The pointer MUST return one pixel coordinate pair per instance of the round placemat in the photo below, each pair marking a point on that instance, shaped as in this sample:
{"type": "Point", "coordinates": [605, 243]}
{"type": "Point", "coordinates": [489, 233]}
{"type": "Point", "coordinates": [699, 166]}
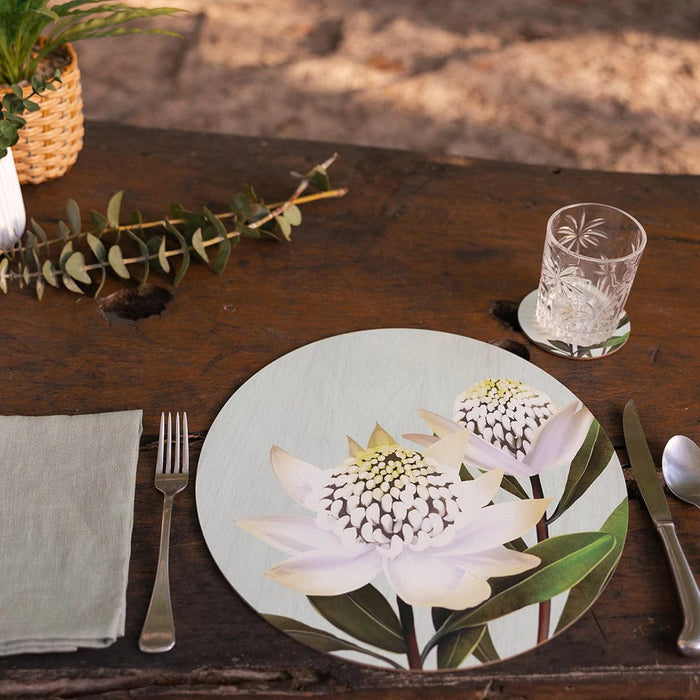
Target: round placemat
{"type": "Point", "coordinates": [306, 403]}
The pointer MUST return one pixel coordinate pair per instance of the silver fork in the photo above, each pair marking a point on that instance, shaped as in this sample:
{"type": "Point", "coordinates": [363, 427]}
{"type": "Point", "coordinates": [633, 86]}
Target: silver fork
{"type": "Point", "coordinates": [158, 633]}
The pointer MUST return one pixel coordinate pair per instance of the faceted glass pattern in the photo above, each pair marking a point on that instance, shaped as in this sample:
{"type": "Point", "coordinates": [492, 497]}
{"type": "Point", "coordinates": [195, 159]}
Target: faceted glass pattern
{"type": "Point", "coordinates": [591, 255]}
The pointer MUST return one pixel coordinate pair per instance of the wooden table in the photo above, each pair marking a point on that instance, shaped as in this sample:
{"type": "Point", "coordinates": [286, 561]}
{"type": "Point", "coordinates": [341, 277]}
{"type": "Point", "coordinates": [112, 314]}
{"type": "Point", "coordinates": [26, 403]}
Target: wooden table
{"type": "Point", "coordinates": [420, 241]}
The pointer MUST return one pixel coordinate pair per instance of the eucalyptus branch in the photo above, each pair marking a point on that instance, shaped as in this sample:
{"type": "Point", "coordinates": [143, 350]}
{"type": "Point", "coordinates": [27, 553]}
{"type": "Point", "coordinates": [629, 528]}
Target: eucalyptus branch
{"type": "Point", "coordinates": [86, 256]}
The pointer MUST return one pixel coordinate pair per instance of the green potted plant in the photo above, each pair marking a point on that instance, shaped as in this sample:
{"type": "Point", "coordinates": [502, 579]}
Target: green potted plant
{"type": "Point", "coordinates": [36, 39]}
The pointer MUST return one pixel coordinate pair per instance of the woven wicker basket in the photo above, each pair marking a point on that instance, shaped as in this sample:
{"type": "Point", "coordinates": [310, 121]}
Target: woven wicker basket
{"type": "Point", "coordinates": [53, 136]}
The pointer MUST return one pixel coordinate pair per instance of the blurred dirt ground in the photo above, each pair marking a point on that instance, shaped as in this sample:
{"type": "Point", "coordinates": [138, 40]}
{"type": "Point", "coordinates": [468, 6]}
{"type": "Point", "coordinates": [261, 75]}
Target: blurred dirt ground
{"type": "Point", "coordinates": [573, 83]}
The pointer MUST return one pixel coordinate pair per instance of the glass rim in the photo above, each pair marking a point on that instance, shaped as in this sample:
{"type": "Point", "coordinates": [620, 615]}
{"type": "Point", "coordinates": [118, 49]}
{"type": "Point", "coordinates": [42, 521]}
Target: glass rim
{"type": "Point", "coordinates": [637, 251]}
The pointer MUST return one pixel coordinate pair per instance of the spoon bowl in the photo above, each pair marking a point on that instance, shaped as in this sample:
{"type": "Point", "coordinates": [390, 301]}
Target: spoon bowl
{"type": "Point", "coordinates": [680, 464]}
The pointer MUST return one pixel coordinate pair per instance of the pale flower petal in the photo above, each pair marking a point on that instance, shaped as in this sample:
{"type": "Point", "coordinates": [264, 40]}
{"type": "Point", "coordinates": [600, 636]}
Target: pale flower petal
{"type": "Point", "coordinates": [470, 591]}
{"type": "Point", "coordinates": [354, 448]}
{"type": "Point", "coordinates": [379, 437]}
{"type": "Point", "coordinates": [484, 455]}
{"type": "Point", "coordinates": [498, 524]}
{"type": "Point", "coordinates": [449, 451]}
{"type": "Point", "coordinates": [419, 578]}
{"type": "Point", "coordinates": [499, 561]}
{"type": "Point", "coordinates": [298, 478]}
{"type": "Point", "coordinates": [327, 571]}
{"type": "Point", "coordinates": [289, 534]}
{"type": "Point", "coordinates": [420, 439]}
{"type": "Point", "coordinates": [440, 425]}
{"type": "Point", "coordinates": [560, 438]}
{"type": "Point", "coordinates": [477, 493]}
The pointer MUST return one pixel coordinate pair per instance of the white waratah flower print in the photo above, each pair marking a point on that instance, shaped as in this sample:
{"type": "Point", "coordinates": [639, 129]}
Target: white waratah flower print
{"type": "Point", "coordinates": [512, 427]}
{"type": "Point", "coordinates": [407, 513]}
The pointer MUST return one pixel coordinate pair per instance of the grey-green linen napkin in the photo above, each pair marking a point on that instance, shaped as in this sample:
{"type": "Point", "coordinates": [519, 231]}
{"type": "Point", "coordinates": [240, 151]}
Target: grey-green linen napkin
{"type": "Point", "coordinates": [66, 515]}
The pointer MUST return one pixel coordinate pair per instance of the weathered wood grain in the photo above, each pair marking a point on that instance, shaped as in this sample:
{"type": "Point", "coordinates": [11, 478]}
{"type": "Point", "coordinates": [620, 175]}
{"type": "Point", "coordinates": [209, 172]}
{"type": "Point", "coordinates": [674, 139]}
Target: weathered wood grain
{"type": "Point", "coordinates": [420, 241]}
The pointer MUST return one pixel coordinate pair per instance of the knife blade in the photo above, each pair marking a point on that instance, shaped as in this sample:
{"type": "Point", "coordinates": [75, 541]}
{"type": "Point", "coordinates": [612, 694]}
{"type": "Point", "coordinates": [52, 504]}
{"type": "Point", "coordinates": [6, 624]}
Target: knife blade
{"type": "Point", "coordinates": [657, 505]}
{"type": "Point", "coordinates": [643, 466]}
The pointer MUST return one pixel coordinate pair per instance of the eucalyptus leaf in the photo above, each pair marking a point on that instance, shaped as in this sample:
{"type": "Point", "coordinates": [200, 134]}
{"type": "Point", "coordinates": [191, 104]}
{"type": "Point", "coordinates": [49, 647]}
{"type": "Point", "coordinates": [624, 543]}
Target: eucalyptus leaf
{"type": "Point", "coordinates": [75, 267]}
{"type": "Point", "coordinates": [48, 272]}
{"type": "Point", "coordinates": [99, 222]}
{"type": "Point", "coordinates": [241, 204]}
{"type": "Point", "coordinates": [145, 257]}
{"type": "Point", "coordinates": [565, 561]}
{"type": "Point", "coordinates": [588, 464]}
{"type": "Point", "coordinates": [65, 253]}
{"type": "Point", "coordinates": [293, 215]}
{"type": "Point", "coordinates": [222, 256]}
{"type": "Point", "coordinates": [39, 285]}
{"type": "Point", "coordinates": [583, 594]}
{"type": "Point", "coordinates": [364, 614]}
{"type": "Point", "coordinates": [73, 213]}
{"type": "Point", "coordinates": [285, 227]}
{"type": "Point", "coordinates": [319, 179]}
{"type": "Point", "coordinates": [4, 263]}
{"type": "Point", "coordinates": [198, 245]}
{"type": "Point", "coordinates": [319, 639]}
{"type": "Point", "coordinates": [224, 249]}
{"type": "Point", "coordinates": [184, 250]}
{"type": "Point", "coordinates": [162, 257]}
{"type": "Point", "coordinates": [38, 230]}
{"type": "Point", "coordinates": [63, 231]}
{"type": "Point", "coordinates": [70, 284]}
{"type": "Point", "coordinates": [97, 247]}
{"type": "Point", "coordinates": [31, 243]}
{"type": "Point", "coordinates": [113, 209]}
{"type": "Point", "coordinates": [116, 262]}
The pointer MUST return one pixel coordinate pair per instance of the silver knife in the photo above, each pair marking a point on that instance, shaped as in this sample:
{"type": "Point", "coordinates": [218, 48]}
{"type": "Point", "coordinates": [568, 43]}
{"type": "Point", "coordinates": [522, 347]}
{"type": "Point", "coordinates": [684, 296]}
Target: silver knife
{"type": "Point", "coordinates": [652, 492]}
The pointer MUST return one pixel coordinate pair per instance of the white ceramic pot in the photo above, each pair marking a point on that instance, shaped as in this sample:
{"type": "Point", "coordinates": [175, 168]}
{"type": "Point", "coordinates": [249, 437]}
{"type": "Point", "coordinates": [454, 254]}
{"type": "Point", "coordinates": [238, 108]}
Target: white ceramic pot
{"type": "Point", "coordinates": [12, 216]}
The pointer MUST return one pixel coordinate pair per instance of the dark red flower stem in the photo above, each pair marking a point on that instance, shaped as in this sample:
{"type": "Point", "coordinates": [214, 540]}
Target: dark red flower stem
{"type": "Point", "coordinates": [409, 634]}
{"type": "Point", "coordinates": [545, 610]}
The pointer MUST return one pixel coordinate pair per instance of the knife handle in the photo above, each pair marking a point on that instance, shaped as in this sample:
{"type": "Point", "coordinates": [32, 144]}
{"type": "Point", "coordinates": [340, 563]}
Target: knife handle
{"type": "Point", "coordinates": [689, 639]}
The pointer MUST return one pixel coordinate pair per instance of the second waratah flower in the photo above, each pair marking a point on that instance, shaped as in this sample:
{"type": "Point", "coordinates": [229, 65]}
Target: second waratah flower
{"type": "Point", "coordinates": [512, 427]}
{"type": "Point", "coordinates": [388, 508]}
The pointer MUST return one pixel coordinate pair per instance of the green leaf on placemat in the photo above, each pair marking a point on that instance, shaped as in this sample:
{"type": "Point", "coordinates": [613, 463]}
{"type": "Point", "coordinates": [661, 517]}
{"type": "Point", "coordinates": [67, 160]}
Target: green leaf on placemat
{"type": "Point", "coordinates": [454, 648]}
{"type": "Point", "coordinates": [510, 484]}
{"type": "Point", "coordinates": [565, 561]}
{"type": "Point", "coordinates": [582, 595]}
{"type": "Point", "coordinates": [366, 615]}
{"type": "Point", "coordinates": [319, 639]}
{"type": "Point", "coordinates": [595, 454]}
{"type": "Point", "coordinates": [485, 650]}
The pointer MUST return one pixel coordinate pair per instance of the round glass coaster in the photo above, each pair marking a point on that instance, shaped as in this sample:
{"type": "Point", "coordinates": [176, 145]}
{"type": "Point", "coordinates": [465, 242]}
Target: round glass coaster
{"type": "Point", "coordinates": [526, 318]}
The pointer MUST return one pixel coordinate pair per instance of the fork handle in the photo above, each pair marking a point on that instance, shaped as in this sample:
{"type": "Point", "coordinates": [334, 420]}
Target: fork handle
{"type": "Point", "coordinates": [158, 633]}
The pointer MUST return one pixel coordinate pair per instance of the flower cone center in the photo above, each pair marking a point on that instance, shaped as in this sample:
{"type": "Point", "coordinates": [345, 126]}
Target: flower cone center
{"type": "Point", "coordinates": [391, 496]}
{"type": "Point", "coordinates": [504, 412]}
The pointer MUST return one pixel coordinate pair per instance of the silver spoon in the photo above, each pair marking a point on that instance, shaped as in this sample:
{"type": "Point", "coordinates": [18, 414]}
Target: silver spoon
{"type": "Point", "coordinates": [680, 464]}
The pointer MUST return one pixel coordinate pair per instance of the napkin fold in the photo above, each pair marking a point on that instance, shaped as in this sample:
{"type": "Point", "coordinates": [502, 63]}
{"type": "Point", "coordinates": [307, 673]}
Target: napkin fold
{"type": "Point", "coordinates": [66, 515]}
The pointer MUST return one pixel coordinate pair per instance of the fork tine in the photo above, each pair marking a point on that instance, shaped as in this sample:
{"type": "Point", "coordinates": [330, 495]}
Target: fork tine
{"type": "Point", "coordinates": [185, 445]}
{"type": "Point", "coordinates": [176, 464]}
{"type": "Point", "coordinates": [168, 450]}
{"type": "Point", "coordinates": [161, 444]}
